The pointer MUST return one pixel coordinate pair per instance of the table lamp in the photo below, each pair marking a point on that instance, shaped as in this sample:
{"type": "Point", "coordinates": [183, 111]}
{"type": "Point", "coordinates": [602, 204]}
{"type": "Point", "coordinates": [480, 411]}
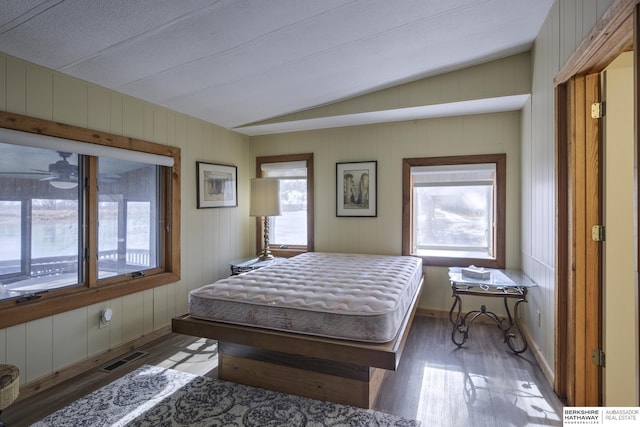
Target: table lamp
{"type": "Point", "coordinates": [265, 202]}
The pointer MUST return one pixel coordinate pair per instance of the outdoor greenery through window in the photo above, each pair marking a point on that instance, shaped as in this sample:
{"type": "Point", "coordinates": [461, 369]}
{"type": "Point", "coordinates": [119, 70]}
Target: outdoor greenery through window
{"type": "Point", "coordinates": [292, 231]}
{"type": "Point", "coordinates": [455, 210]}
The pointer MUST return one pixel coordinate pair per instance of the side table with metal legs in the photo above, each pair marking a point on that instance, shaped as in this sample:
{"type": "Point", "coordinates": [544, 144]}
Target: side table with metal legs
{"type": "Point", "coordinates": [505, 284]}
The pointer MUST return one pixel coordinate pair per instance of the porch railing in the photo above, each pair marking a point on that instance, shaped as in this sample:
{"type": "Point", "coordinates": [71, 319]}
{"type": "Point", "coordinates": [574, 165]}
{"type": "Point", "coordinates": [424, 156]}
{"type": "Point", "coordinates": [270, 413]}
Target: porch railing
{"type": "Point", "coordinates": [48, 266]}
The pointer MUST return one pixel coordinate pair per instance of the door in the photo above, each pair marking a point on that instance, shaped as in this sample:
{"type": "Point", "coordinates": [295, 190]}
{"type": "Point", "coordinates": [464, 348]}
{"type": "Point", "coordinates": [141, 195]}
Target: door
{"type": "Point", "coordinates": [580, 279]}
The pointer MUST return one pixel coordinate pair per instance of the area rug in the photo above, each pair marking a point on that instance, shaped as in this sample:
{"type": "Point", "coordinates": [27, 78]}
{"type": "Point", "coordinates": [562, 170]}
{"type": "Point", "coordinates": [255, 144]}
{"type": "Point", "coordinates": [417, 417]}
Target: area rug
{"type": "Point", "coordinates": [155, 396]}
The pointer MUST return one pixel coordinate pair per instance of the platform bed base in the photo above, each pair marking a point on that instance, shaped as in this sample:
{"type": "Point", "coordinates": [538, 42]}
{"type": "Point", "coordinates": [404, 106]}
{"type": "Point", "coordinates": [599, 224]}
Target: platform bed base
{"type": "Point", "coordinates": [334, 370]}
{"type": "Point", "coordinates": [314, 378]}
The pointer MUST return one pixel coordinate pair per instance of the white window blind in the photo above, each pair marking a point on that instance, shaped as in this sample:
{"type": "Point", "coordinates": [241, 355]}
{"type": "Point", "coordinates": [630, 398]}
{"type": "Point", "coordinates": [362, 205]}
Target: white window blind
{"type": "Point", "coordinates": [11, 136]}
{"type": "Point", "coordinates": [291, 170]}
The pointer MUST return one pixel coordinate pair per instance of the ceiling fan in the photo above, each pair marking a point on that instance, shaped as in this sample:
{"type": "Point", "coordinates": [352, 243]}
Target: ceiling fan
{"type": "Point", "coordinates": [61, 171]}
{"type": "Point", "coordinates": [62, 174]}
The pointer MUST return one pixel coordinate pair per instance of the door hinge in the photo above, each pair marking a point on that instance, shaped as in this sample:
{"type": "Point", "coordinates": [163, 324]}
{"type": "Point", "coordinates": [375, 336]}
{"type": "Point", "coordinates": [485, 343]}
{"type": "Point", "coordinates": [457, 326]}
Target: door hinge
{"type": "Point", "coordinates": [597, 233]}
{"type": "Point", "coordinates": [597, 110]}
{"type": "Point", "coordinates": [597, 357]}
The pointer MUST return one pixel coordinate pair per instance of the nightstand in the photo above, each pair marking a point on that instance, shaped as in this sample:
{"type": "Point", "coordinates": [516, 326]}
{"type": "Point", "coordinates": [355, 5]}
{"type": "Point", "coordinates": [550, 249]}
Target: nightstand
{"type": "Point", "coordinates": [244, 265]}
{"type": "Point", "coordinates": [498, 284]}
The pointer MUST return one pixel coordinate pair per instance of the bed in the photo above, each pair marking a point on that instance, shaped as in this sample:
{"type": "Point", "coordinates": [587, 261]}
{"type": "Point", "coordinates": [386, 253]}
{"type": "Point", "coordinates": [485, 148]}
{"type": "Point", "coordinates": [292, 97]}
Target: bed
{"type": "Point", "coordinates": [321, 325]}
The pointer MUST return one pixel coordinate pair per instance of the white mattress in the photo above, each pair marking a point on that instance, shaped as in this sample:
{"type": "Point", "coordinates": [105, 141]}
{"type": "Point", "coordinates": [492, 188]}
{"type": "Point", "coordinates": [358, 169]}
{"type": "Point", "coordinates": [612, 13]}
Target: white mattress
{"type": "Point", "coordinates": [346, 296]}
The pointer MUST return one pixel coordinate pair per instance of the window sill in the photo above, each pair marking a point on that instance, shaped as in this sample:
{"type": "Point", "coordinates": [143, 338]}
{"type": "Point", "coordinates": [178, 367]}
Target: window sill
{"type": "Point", "coordinates": [71, 298]}
{"type": "Point", "coordinates": [288, 252]}
{"type": "Point", "coordinates": [444, 261]}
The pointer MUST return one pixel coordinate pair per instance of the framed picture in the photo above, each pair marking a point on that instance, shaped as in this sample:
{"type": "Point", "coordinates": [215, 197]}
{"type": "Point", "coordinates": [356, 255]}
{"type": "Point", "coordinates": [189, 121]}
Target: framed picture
{"type": "Point", "coordinates": [217, 185]}
{"type": "Point", "coordinates": [356, 189]}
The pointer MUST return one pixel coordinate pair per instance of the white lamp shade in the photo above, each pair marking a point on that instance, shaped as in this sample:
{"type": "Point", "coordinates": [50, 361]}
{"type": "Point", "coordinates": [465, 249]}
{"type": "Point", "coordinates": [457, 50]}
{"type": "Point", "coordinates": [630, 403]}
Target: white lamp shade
{"type": "Point", "coordinates": [265, 197]}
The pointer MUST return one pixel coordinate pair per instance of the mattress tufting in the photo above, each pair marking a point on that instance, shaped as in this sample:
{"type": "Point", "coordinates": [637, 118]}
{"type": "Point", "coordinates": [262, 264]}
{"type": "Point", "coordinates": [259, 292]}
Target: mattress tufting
{"type": "Point", "coordinates": [346, 296]}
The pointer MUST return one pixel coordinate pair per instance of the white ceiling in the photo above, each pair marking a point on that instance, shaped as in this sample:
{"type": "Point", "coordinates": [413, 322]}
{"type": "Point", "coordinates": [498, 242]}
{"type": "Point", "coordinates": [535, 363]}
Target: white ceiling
{"type": "Point", "coordinates": [236, 62]}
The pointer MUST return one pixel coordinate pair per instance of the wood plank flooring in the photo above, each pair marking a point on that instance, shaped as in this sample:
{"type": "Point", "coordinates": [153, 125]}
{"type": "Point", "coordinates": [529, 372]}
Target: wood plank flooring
{"type": "Point", "coordinates": [479, 384]}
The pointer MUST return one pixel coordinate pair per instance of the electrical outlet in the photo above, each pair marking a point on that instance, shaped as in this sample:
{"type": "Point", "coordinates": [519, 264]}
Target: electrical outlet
{"type": "Point", "coordinates": [105, 318]}
{"type": "Point", "coordinates": [539, 319]}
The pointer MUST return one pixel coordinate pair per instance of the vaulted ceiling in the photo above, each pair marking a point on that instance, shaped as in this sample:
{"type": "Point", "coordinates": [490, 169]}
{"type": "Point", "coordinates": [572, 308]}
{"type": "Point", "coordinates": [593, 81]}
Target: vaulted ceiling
{"type": "Point", "coordinates": [236, 62]}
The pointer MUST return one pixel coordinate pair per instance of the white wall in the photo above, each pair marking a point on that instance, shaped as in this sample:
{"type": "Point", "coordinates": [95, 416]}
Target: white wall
{"type": "Point", "coordinates": [210, 238]}
{"type": "Point", "coordinates": [620, 300]}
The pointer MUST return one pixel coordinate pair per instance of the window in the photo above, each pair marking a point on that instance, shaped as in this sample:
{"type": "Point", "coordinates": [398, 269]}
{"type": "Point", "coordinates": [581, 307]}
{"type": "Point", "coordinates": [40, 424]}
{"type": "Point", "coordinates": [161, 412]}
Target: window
{"type": "Point", "coordinates": [292, 232]}
{"type": "Point", "coordinates": [454, 214]}
{"type": "Point", "coordinates": [127, 217]}
{"type": "Point", "coordinates": [63, 237]}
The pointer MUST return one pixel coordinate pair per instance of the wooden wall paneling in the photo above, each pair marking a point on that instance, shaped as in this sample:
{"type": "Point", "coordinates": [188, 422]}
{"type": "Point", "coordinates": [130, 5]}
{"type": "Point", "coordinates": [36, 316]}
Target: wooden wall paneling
{"type": "Point", "coordinates": [3, 83]}
{"type": "Point", "coordinates": [172, 305]}
{"type": "Point", "coordinates": [3, 345]}
{"type": "Point", "coordinates": [117, 322]}
{"type": "Point", "coordinates": [116, 104]}
{"type": "Point", "coordinates": [70, 100]}
{"type": "Point", "coordinates": [98, 339]}
{"type": "Point", "coordinates": [16, 86]}
{"type": "Point", "coordinates": [132, 316]}
{"type": "Point", "coordinates": [148, 116]}
{"type": "Point", "coordinates": [568, 29]}
{"type": "Point", "coordinates": [132, 117]}
{"type": "Point", "coordinates": [70, 331]}
{"type": "Point", "coordinates": [38, 349]}
{"type": "Point", "coordinates": [99, 108]}
{"type": "Point", "coordinates": [39, 92]}
{"type": "Point", "coordinates": [148, 301]}
{"type": "Point", "coordinates": [16, 348]}
{"type": "Point", "coordinates": [161, 315]}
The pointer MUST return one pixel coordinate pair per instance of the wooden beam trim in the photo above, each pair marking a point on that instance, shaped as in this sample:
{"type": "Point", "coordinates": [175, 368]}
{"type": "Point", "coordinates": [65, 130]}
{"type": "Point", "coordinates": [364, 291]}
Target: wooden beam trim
{"type": "Point", "coordinates": [562, 235]}
{"type": "Point", "coordinates": [603, 42]}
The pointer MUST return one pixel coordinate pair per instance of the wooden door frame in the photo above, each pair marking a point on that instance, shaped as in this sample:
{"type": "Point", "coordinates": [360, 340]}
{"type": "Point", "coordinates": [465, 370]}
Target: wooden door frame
{"type": "Point", "coordinates": [578, 316]}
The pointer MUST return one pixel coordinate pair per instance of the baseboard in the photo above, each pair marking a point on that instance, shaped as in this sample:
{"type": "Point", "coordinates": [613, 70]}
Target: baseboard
{"type": "Point", "coordinates": [93, 362]}
{"type": "Point", "coordinates": [442, 314]}
{"type": "Point", "coordinates": [427, 312]}
{"type": "Point", "coordinates": [542, 362]}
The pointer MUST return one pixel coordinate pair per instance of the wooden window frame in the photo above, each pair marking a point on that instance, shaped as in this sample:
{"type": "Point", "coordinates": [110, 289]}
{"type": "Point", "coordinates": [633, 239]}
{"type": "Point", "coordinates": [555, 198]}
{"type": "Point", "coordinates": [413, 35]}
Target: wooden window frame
{"type": "Point", "coordinates": [500, 161]}
{"type": "Point", "coordinates": [293, 249]}
{"type": "Point", "coordinates": [53, 302]}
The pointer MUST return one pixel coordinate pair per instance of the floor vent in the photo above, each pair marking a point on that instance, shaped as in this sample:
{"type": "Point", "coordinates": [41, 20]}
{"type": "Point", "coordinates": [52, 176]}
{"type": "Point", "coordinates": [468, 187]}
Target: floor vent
{"type": "Point", "coordinates": [121, 362]}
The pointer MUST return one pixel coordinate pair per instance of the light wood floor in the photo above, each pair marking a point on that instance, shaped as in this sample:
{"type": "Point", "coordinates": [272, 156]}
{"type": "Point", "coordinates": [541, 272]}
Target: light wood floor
{"type": "Point", "coordinates": [480, 384]}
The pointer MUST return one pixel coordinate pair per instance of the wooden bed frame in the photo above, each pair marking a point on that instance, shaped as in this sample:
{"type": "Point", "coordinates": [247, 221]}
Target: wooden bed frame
{"type": "Point", "coordinates": [334, 370]}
